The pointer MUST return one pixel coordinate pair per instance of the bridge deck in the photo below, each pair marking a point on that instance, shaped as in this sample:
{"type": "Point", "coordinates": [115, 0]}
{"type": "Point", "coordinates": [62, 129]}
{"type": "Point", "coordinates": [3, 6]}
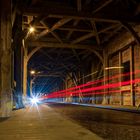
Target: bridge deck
{"type": "Point", "coordinates": [45, 124]}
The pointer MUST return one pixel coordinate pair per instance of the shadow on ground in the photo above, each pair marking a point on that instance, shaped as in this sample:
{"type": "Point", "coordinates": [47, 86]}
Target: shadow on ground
{"type": "Point", "coordinates": [2, 119]}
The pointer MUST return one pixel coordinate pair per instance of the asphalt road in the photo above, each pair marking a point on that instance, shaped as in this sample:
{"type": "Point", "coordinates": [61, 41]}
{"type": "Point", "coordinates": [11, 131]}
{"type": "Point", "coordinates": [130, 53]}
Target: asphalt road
{"type": "Point", "coordinates": [109, 124]}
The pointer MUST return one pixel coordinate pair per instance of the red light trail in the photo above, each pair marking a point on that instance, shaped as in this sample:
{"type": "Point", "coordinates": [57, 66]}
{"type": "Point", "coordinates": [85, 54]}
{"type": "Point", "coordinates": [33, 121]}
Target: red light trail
{"type": "Point", "coordinates": [95, 87]}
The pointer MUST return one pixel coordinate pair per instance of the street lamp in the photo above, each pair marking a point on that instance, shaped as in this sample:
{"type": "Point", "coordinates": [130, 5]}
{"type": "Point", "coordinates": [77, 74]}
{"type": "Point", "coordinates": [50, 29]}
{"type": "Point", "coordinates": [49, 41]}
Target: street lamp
{"type": "Point", "coordinates": [33, 76]}
{"type": "Point", "coordinates": [31, 29]}
{"type": "Point", "coordinates": [32, 72]}
{"type": "Point", "coordinates": [31, 86]}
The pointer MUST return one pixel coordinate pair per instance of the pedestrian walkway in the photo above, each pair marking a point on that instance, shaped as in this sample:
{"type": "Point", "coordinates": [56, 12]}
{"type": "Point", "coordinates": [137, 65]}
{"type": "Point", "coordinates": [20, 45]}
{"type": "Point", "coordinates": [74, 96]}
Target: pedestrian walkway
{"type": "Point", "coordinates": [42, 124]}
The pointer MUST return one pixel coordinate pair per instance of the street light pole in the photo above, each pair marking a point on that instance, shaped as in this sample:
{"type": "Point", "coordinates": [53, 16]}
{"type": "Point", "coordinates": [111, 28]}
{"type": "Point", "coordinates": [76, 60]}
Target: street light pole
{"type": "Point", "coordinates": [32, 73]}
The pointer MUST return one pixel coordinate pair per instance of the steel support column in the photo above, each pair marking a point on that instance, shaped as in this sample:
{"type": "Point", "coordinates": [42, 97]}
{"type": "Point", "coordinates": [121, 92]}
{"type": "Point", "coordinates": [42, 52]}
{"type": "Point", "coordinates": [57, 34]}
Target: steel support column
{"type": "Point", "coordinates": [106, 99]}
{"type": "Point", "coordinates": [25, 62]}
{"type": "Point", "coordinates": [132, 92]}
{"type": "Point", "coordinates": [17, 44]}
{"type": "Point", "coordinates": [120, 78]}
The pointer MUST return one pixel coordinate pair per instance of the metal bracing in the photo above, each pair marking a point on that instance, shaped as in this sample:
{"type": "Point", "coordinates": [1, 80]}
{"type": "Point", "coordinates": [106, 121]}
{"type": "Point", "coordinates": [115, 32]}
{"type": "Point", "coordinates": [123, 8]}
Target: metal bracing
{"type": "Point", "coordinates": [54, 27]}
{"type": "Point", "coordinates": [132, 31]}
{"type": "Point", "coordinates": [80, 26]}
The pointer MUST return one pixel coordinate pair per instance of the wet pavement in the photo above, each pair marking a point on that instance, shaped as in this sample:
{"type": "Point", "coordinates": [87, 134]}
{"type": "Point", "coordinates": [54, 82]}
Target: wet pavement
{"type": "Point", "coordinates": [108, 124]}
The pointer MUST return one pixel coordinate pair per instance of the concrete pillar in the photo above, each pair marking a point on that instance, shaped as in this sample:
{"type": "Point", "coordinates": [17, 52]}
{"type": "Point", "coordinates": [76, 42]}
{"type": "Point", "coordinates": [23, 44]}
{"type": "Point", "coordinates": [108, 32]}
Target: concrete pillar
{"type": "Point", "coordinates": [5, 59]}
{"type": "Point", "coordinates": [6, 91]}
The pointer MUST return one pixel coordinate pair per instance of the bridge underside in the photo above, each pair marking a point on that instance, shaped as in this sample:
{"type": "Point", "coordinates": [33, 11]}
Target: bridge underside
{"type": "Point", "coordinates": [71, 51]}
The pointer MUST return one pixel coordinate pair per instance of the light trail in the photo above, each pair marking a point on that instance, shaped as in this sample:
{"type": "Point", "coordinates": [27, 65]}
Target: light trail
{"type": "Point", "coordinates": [107, 86]}
{"type": "Point", "coordinates": [91, 88]}
{"type": "Point", "coordinates": [98, 81]}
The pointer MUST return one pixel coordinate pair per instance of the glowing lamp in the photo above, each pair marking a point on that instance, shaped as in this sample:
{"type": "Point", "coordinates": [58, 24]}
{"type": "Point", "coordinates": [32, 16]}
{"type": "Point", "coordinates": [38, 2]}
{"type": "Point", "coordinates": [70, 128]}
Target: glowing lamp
{"type": "Point", "coordinates": [34, 100]}
{"type": "Point", "coordinates": [32, 72]}
{"type": "Point", "coordinates": [31, 29]}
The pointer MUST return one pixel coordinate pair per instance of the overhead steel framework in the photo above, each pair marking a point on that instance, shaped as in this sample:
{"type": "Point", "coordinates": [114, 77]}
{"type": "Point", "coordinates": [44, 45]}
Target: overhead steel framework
{"type": "Point", "coordinates": [67, 36]}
